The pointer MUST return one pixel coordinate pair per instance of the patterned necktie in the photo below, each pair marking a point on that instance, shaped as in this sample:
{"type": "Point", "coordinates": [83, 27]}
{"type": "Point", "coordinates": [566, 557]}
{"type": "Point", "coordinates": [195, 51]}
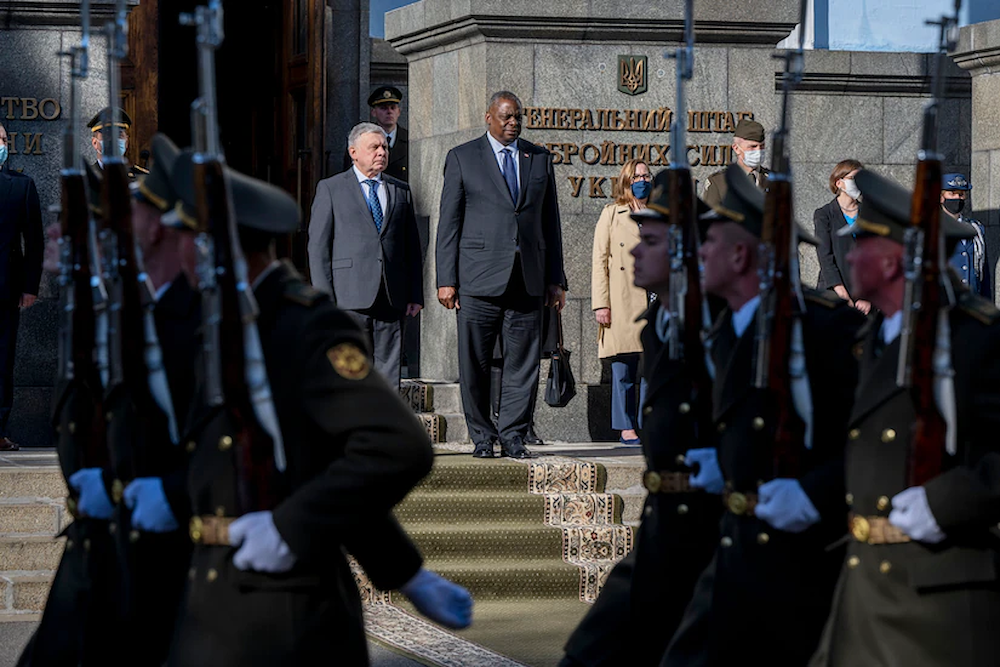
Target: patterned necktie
{"type": "Point", "coordinates": [373, 204]}
{"type": "Point", "coordinates": [510, 173]}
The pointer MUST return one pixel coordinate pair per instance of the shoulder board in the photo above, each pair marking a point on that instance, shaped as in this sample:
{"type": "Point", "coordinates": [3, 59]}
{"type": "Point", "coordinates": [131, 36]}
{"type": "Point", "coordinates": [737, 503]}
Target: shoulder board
{"type": "Point", "coordinates": [301, 293]}
{"type": "Point", "coordinates": [139, 169]}
{"type": "Point", "coordinates": [977, 307]}
{"type": "Point", "coordinates": [824, 298]}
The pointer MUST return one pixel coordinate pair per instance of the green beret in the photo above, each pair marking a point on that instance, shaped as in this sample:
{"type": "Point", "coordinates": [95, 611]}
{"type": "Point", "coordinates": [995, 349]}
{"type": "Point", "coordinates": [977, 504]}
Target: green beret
{"type": "Point", "coordinates": [750, 130]}
{"type": "Point", "coordinates": [884, 210]}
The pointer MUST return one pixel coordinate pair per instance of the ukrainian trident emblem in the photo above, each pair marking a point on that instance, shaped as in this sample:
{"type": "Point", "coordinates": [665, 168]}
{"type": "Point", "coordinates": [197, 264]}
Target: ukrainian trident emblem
{"type": "Point", "coordinates": [632, 74]}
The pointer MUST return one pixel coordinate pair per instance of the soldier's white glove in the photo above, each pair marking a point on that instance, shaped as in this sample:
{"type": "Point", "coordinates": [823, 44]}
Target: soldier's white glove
{"type": "Point", "coordinates": [93, 501]}
{"type": "Point", "coordinates": [783, 504]}
{"type": "Point", "coordinates": [709, 475]}
{"type": "Point", "coordinates": [261, 547]}
{"type": "Point", "coordinates": [911, 513]}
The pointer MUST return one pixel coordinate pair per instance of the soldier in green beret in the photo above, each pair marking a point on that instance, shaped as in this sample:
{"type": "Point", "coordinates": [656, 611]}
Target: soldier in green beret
{"type": "Point", "coordinates": [748, 145]}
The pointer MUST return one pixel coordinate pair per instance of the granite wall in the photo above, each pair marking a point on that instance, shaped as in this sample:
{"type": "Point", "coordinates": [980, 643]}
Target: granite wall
{"type": "Point", "coordinates": [34, 99]}
{"type": "Point", "coordinates": [565, 57]}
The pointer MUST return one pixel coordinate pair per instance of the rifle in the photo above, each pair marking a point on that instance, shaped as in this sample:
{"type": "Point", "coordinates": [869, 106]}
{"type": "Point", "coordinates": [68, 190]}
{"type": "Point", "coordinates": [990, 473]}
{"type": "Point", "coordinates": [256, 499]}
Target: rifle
{"type": "Point", "coordinates": [924, 309]}
{"type": "Point", "coordinates": [779, 325]}
{"type": "Point", "coordinates": [81, 291]}
{"type": "Point", "coordinates": [235, 375]}
{"type": "Point", "coordinates": [686, 303]}
{"type": "Point", "coordinates": [136, 374]}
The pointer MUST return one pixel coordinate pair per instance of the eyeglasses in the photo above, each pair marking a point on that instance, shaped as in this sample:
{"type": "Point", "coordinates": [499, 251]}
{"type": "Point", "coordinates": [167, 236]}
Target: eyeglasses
{"type": "Point", "coordinates": [642, 177]}
{"type": "Point", "coordinates": [504, 119]}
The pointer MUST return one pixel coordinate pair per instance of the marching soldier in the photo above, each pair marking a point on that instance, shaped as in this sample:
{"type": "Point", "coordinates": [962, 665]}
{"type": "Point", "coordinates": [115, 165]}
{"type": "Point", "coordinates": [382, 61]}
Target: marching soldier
{"type": "Point", "coordinates": [919, 586]}
{"type": "Point", "coordinates": [748, 146]}
{"type": "Point", "coordinates": [970, 259]}
{"type": "Point", "coordinates": [353, 451]}
{"type": "Point", "coordinates": [770, 583]}
{"type": "Point", "coordinates": [643, 603]}
{"type": "Point", "coordinates": [102, 126]}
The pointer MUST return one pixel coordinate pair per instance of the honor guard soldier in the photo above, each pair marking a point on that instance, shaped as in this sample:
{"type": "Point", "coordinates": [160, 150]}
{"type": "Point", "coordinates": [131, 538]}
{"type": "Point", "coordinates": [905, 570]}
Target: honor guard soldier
{"type": "Point", "coordinates": [748, 146]}
{"type": "Point", "coordinates": [920, 583]}
{"type": "Point", "coordinates": [273, 585]}
{"type": "Point", "coordinates": [970, 259]}
{"type": "Point", "coordinates": [768, 589]}
{"type": "Point", "coordinates": [102, 126]}
{"type": "Point", "coordinates": [384, 102]}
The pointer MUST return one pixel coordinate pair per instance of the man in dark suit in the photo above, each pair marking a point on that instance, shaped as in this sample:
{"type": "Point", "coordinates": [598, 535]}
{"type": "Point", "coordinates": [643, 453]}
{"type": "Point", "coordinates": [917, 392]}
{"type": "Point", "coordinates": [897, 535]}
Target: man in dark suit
{"type": "Point", "coordinates": [499, 254]}
{"type": "Point", "coordinates": [384, 102]}
{"type": "Point", "coordinates": [920, 583]}
{"type": "Point", "coordinates": [364, 248]}
{"type": "Point", "coordinates": [20, 271]}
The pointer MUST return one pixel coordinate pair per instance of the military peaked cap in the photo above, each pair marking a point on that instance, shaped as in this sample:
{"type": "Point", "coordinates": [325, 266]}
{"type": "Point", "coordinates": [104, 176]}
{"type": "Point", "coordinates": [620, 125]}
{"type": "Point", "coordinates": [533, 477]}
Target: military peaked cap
{"type": "Point", "coordinates": [955, 182]}
{"type": "Point", "coordinates": [385, 95]}
{"type": "Point", "coordinates": [103, 119]}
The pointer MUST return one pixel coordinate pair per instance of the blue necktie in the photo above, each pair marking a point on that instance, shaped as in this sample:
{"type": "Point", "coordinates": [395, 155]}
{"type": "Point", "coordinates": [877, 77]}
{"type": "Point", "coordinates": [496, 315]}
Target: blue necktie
{"type": "Point", "coordinates": [510, 173]}
{"type": "Point", "coordinates": [373, 205]}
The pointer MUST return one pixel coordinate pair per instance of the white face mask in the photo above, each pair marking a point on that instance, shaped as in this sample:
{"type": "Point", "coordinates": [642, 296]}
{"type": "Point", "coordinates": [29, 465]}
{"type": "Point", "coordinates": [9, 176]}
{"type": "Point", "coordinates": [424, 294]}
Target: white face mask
{"type": "Point", "coordinates": [850, 189]}
{"type": "Point", "coordinates": [753, 158]}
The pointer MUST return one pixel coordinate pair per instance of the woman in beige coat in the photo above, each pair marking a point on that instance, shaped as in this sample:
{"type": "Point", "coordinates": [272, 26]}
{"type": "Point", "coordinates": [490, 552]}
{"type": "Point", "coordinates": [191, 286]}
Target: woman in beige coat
{"type": "Point", "coordinates": [616, 301]}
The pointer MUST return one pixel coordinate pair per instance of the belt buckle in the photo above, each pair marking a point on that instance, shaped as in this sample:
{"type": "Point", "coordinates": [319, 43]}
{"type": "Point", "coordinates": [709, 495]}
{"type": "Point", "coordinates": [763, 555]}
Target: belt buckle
{"type": "Point", "coordinates": [860, 528]}
{"type": "Point", "coordinates": [196, 529]}
{"type": "Point", "coordinates": [652, 480]}
{"type": "Point", "coordinates": [737, 503]}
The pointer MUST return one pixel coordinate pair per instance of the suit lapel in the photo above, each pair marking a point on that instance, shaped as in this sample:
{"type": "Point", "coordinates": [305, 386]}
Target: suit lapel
{"type": "Point", "coordinates": [356, 191]}
{"type": "Point", "coordinates": [390, 203]}
{"type": "Point", "coordinates": [5, 183]}
{"type": "Point", "coordinates": [524, 169]}
{"type": "Point", "coordinates": [877, 383]}
{"type": "Point", "coordinates": [493, 168]}
{"type": "Point", "coordinates": [732, 380]}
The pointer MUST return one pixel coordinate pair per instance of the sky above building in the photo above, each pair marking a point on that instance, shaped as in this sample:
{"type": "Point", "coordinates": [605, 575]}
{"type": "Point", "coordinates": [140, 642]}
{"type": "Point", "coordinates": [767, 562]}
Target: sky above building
{"type": "Point", "coordinates": [376, 24]}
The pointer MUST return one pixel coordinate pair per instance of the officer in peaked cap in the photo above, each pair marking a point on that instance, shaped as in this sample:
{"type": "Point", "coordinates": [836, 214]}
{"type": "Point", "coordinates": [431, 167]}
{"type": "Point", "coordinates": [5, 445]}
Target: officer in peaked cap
{"type": "Point", "coordinates": [920, 555]}
{"type": "Point", "coordinates": [353, 451]}
{"type": "Point", "coordinates": [970, 258]}
{"type": "Point", "coordinates": [104, 125]}
{"type": "Point", "coordinates": [748, 146]}
{"type": "Point", "coordinates": [384, 102]}
{"type": "Point", "coordinates": [769, 587]}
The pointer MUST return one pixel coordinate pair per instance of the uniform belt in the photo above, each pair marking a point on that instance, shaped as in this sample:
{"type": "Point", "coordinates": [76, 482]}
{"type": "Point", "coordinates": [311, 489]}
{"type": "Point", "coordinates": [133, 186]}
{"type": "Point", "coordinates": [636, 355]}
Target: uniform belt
{"type": "Point", "coordinates": [667, 482]}
{"type": "Point", "coordinates": [210, 530]}
{"type": "Point", "coordinates": [875, 530]}
{"type": "Point", "coordinates": [740, 504]}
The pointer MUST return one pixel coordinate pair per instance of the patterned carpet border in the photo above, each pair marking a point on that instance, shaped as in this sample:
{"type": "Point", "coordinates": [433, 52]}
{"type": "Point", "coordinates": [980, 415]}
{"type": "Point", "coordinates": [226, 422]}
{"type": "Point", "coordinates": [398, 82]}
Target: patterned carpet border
{"type": "Point", "coordinates": [562, 475]}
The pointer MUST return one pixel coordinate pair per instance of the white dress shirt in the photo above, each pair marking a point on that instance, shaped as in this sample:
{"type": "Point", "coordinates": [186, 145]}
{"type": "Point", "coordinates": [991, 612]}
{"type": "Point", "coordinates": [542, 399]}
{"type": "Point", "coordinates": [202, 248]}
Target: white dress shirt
{"type": "Point", "coordinates": [743, 316]}
{"type": "Point", "coordinates": [383, 196]}
{"type": "Point", "coordinates": [891, 326]}
{"type": "Point", "coordinates": [391, 136]}
{"type": "Point", "coordinates": [498, 149]}
{"type": "Point", "coordinates": [161, 290]}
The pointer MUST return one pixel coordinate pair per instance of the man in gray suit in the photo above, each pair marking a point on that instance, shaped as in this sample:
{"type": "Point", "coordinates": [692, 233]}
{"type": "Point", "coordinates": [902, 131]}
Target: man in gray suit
{"type": "Point", "coordinates": [364, 248]}
{"type": "Point", "coordinates": [499, 254]}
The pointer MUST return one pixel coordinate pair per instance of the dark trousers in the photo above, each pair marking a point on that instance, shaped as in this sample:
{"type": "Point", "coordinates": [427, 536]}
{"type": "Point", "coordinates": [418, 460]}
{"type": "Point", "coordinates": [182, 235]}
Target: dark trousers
{"type": "Point", "coordinates": [383, 325]}
{"type": "Point", "coordinates": [10, 317]}
{"type": "Point", "coordinates": [514, 316]}
{"type": "Point", "coordinates": [626, 393]}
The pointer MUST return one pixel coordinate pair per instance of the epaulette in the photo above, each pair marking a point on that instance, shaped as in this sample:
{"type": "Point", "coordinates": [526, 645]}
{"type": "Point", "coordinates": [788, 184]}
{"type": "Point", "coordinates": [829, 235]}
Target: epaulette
{"type": "Point", "coordinates": [136, 168]}
{"type": "Point", "coordinates": [302, 293]}
{"type": "Point", "coordinates": [977, 307]}
{"type": "Point", "coordinates": [824, 298]}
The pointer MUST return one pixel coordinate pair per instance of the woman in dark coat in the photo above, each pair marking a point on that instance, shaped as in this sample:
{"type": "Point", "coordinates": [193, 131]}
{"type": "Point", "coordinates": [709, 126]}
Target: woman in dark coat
{"type": "Point", "coordinates": [827, 220]}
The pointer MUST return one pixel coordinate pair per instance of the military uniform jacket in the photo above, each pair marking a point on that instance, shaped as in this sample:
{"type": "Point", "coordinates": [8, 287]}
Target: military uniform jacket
{"type": "Point", "coordinates": [768, 588]}
{"type": "Point", "coordinates": [917, 604]}
{"type": "Point", "coordinates": [353, 449]}
{"type": "Point", "coordinates": [715, 187]}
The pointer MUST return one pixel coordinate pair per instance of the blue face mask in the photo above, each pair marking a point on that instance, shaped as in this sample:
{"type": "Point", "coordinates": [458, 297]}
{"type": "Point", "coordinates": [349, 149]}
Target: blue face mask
{"type": "Point", "coordinates": [641, 189]}
{"type": "Point", "coordinates": [121, 146]}
{"type": "Point", "coordinates": [3, 154]}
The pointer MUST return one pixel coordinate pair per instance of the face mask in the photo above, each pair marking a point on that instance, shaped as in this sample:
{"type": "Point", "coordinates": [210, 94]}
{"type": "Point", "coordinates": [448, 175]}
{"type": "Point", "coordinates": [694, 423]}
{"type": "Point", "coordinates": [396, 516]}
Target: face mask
{"type": "Point", "coordinates": [753, 158]}
{"type": "Point", "coordinates": [122, 143]}
{"type": "Point", "coordinates": [641, 189]}
{"type": "Point", "coordinates": [3, 155]}
{"type": "Point", "coordinates": [851, 189]}
{"type": "Point", "coordinates": [954, 206]}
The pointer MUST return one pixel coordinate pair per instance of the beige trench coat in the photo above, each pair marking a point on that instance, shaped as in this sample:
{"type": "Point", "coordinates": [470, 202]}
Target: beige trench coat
{"type": "Point", "coordinates": [611, 285]}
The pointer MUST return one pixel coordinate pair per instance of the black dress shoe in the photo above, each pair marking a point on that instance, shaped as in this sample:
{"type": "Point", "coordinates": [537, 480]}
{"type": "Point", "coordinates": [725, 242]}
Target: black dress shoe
{"type": "Point", "coordinates": [515, 450]}
{"type": "Point", "coordinates": [531, 438]}
{"type": "Point", "coordinates": [483, 451]}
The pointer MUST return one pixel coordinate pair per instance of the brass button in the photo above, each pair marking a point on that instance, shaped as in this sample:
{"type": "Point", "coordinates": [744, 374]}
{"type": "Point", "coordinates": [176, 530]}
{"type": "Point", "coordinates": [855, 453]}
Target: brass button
{"type": "Point", "coordinates": [225, 442]}
{"type": "Point", "coordinates": [648, 410]}
{"type": "Point", "coordinates": [681, 460]}
{"type": "Point", "coordinates": [220, 511]}
{"type": "Point", "coordinates": [684, 408]}
{"type": "Point", "coordinates": [888, 435]}
{"type": "Point", "coordinates": [849, 498]}
{"type": "Point", "coordinates": [737, 503]}
{"type": "Point", "coordinates": [726, 541]}
{"type": "Point", "coordinates": [652, 481]}
{"type": "Point", "coordinates": [853, 562]}
{"type": "Point", "coordinates": [758, 423]}
{"type": "Point", "coordinates": [854, 434]}
{"type": "Point", "coordinates": [72, 427]}
{"type": "Point", "coordinates": [884, 567]}
{"type": "Point", "coordinates": [133, 536]}
{"type": "Point", "coordinates": [212, 575]}
{"type": "Point", "coordinates": [190, 446]}
{"type": "Point", "coordinates": [682, 509]}
{"type": "Point", "coordinates": [117, 489]}
{"type": "Point", "coordinates": [763, 538]}
{"type": "Point", "coordinates": [195, 528]}
{"type": "Point", "coordinates": [860, 528]}
{"type": "Point", "coordinates": [721, 428]}
{"type": "Point", "coordinates": [882, 503]}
